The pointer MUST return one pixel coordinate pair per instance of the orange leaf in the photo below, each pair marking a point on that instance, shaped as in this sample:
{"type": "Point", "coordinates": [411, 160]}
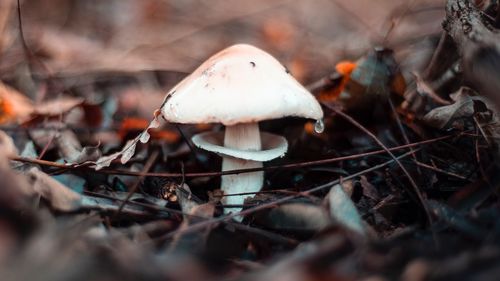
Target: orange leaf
{"type": "Point", "coordinates": [14, 106]}
{"type": "Point", "coordinates": [345, 69]}
{"type": "Point", "coordinates": [133, 124]}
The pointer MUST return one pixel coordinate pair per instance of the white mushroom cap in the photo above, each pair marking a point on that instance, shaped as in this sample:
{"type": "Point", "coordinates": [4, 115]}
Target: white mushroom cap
{"type": "Point", "coordinates": [273, 146]}
{"type": "Point", "coordinates": [240, 84]}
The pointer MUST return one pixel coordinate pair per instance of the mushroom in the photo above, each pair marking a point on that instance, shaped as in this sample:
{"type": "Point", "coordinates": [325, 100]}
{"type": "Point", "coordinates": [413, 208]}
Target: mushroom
{"type": "Point", "coordinates": [238, 87]}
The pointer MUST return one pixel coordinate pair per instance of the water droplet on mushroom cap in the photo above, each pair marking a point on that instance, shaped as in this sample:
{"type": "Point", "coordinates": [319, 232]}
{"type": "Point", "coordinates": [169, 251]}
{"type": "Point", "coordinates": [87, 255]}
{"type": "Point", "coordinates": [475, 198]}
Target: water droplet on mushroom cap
{"type": "Point", "coordinates": [319, 126]}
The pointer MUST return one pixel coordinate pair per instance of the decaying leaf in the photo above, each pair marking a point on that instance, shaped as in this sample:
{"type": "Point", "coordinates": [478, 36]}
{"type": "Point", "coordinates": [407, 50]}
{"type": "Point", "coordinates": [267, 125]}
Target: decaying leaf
{"type": "Point", "coordinates": [58, 196]}
{"type": "Point", "coordinates": [58, 106]}
{"type": "Point", "coordinates": [7, 145]}
{"type": "Point", "coordinates": [129, 149]}
{"type": "Point", "coordinates": [16, 192]}
{"type": "Point", "coordinates": [294, 216]}
{"type": "Point", "coordinates": [194, 212]}
{"type": "Point", "coordinates": [455, 219]}
{"type": "Point", "coordinates": [467, 106]}
{"type": "Point", "coordinates": [368, 189]}
{"type": "Point", "coordinates": [129, 125]}
{"type": "Point", "coordinates": [343, 210]}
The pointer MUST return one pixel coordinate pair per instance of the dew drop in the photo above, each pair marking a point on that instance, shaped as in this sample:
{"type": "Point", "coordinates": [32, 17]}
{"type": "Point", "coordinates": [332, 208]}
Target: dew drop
{"type": "Point", "coordinates": [319, 126]}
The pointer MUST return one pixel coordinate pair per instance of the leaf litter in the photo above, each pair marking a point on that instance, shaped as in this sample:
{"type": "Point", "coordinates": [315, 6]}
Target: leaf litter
{"type": "Point", "coordinates": [82, 196]}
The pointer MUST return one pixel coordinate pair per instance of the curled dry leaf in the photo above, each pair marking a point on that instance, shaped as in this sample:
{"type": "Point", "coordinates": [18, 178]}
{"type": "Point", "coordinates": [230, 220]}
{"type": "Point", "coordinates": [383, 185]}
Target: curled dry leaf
{"type": "Point", "coordinates": [467, 106]}
{"type": "Point", "coordinates": [129, 149]}
{"type": "Point", "coordinates": [343, 210]}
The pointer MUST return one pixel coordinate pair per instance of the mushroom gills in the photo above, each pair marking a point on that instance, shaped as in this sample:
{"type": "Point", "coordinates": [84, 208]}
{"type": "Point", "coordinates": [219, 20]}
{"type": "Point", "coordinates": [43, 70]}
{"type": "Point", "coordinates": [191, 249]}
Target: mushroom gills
{"type": "Point", "coordinates": [243, 137]}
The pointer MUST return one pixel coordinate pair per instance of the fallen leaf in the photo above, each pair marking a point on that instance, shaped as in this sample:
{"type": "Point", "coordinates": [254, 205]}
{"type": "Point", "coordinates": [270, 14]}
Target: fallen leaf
{"type": "Point", "coordinates": [455, 219]}
{"type": "Point", "coordinates": [129, 149]}
{"type": "Point", "coordinates": [138, 124]}
{"type": "Point", "coordinates": [58, 196]}
{"type": "Point", "coordinates": [73, 182]}
{"type": "Point", "coordinates": [194, 212]}
{"type": "Point", "coordinates": [343, 210]}
{"type": "Point", "coordinates": [14, 106]}
{"type": "Point", "coordinates": [368, 189]}
{"type": "Point", "coordinates": [465, 105]}
{"type": "Point", "coordinates": [57, 106]}
{"type": "Point", "coordinates": [294, 216]}
{"type": "Point", "coordinates": [7, 145]}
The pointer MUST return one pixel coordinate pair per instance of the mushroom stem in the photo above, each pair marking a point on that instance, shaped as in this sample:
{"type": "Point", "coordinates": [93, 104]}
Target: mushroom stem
{"type": "Point", "coordinates": [242, 137]}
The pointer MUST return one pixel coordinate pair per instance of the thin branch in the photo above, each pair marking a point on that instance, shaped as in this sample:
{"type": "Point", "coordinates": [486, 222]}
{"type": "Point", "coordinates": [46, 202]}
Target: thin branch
{"type": "Point", "coordinates": [405, 171]}
{"type": "Point", "coordinates": [208, 223]}
{"type": "Point", "coordinates": [131, 192]}
{"type": "Point", "coordinates": [231, 172]}
{"type": "Point", "coordinates": [440, 170]}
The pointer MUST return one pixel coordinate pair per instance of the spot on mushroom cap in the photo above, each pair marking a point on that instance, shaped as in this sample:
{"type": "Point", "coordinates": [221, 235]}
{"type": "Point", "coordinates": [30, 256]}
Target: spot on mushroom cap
{"type": "Point", "coordinates": [240, 84]}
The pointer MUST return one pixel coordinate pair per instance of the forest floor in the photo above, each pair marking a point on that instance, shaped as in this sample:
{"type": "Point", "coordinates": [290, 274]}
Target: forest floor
{"type": "Point", "coordinates": [401, 184]}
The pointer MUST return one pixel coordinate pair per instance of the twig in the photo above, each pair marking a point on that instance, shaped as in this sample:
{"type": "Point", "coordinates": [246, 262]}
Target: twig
{"type": "Point", "coordinates": [402, 130]}
{"type": "Point", "coordinates": [480, 128]}
{"type": "Point", "coordinates": [231, 172]}
{"type": "Point", "coordinates": [210, 222]}
{"type": "Point", "coordinates": [131, 192]}
{"type": "Point", "coordinates": [265, 233]}
{"type": "Point", "coordinates": [439, 170]}
{"type": "Point", "coordinates": [407, 174]}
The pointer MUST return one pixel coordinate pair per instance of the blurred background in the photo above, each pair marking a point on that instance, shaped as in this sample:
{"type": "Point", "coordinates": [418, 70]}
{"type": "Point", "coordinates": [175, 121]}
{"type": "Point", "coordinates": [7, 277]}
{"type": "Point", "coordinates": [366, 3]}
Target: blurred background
{"type": "Point", "coordinates": [72, 38]}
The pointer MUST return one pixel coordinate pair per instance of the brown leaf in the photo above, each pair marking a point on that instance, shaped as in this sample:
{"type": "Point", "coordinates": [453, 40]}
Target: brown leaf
{"type": "Point", "coordinates": [57, 106]}
{"type": "Point", "coordinates": [368, 189]}
{"type": "Point", "coordinates": [8, 148]}
{"type": "Point", "coordinates": [465, 105]}
{"type": "Point", "coordinates": [194, 212]}
{"type": "Point", "coordinates": [56, 194]}
{"type": "Point", "coordinates": [470, 107]}
{"type": "Point", "coordinates": [129, 149]}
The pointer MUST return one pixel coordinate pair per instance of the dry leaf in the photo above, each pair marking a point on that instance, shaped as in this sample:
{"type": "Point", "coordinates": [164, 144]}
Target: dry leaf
{"type": "Point", "coordinates": [57, 106]}
{"type": "Point", "coordinates": [343, 210]}
{"type": "Point", "coordinates": [129, 149]}
{"type": "Point", "coordinates": [462, 107]}
{"type": "Point", "coordinates": [139, 124]}
{"type": "Point", "coordinates": [294, 216]}
{"type": "Point", "coordinates": [194, 212]}
{"type": "Point", "coordinates": [59, 197]}
{"type": "Point", "coordinates": [14, 106]}
{"type": "Point", "coordinates": [466, 106]}
{"type": "Point", "coordinates": [8, 148]}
